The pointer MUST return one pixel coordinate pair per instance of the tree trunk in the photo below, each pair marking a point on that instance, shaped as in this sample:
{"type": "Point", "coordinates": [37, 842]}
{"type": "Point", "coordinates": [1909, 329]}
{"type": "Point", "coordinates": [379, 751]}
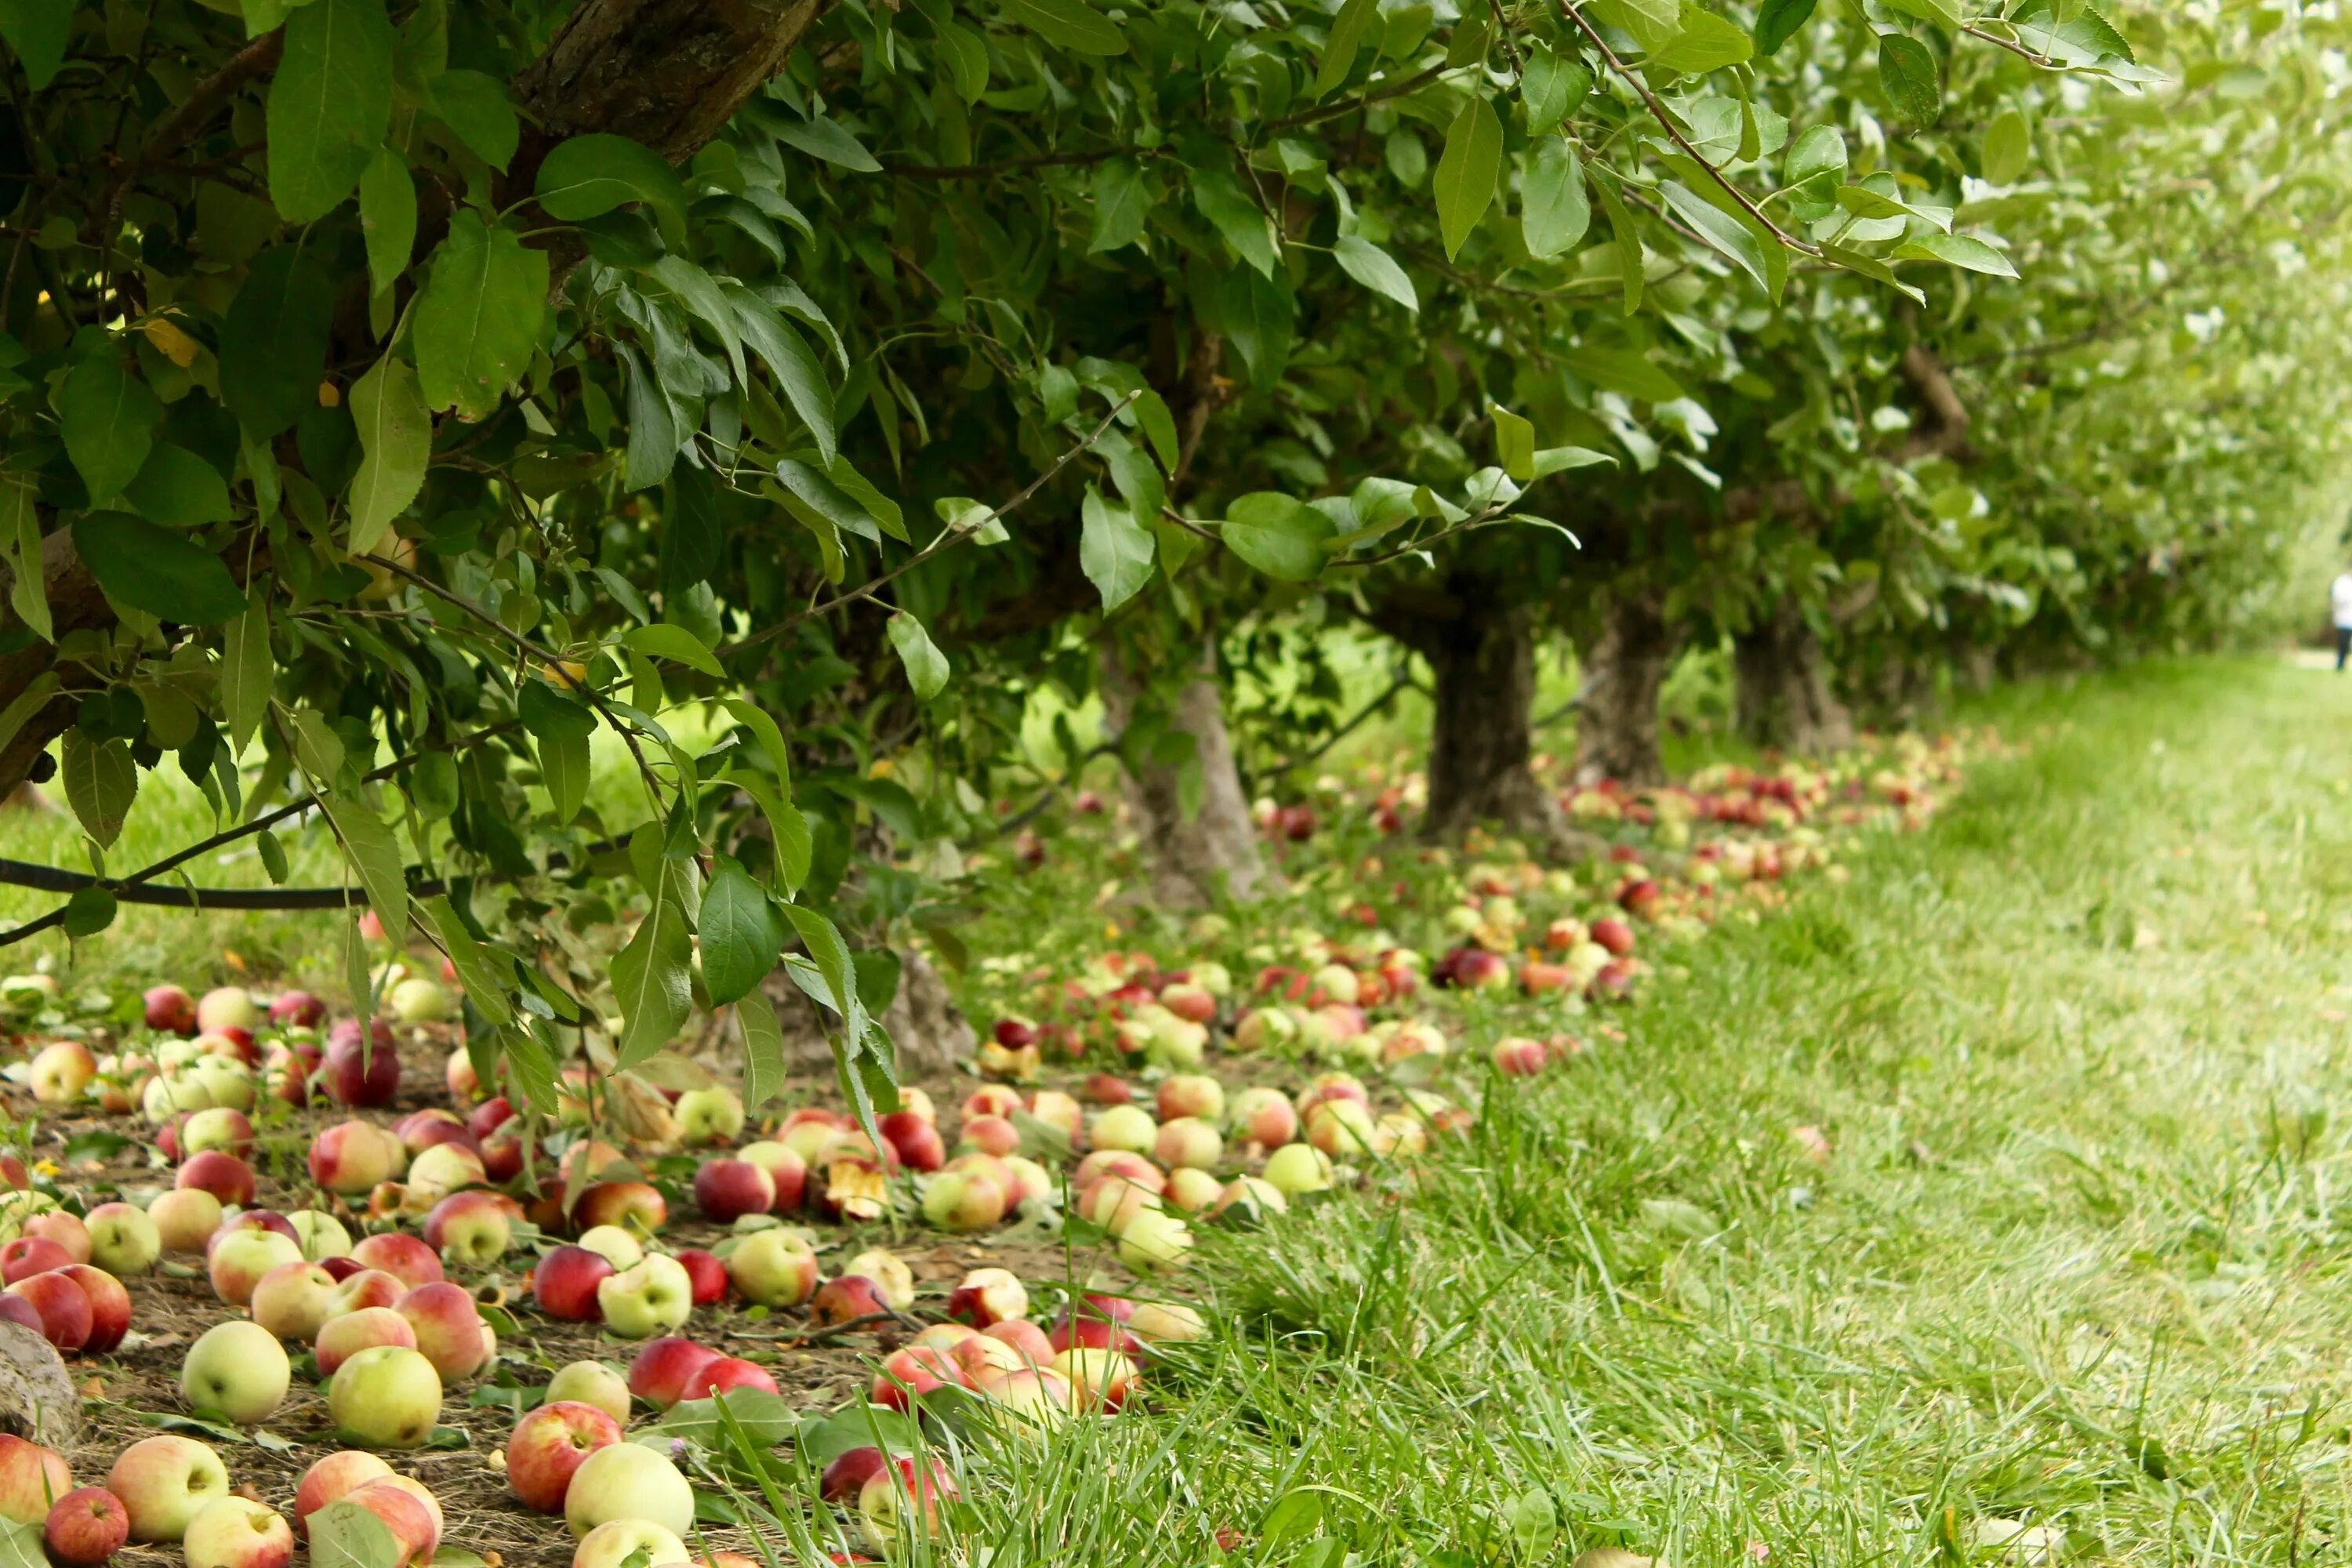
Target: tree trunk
{"type": "Point", "coordinates": [1617, 718]}
{"type": "Point", "coordinates": [1484, 662]}
{"type": "Point", "coordinates": [931, 1035]}
{"type": "Point", "coordinates": [1194, 855]}
{"type": "Point", "coordinates": [1781, 686]}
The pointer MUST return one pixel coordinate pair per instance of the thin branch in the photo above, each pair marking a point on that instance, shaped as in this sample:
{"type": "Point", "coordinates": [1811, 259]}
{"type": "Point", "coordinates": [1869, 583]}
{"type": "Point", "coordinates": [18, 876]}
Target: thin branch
{"type": "Point", "coordinates": [167, 135]}
{"type": "Point", "coordinates": [1349, 106]}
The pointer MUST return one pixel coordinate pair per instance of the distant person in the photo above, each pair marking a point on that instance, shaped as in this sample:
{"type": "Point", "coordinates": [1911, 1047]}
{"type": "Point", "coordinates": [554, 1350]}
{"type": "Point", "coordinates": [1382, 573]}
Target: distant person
{"type": "Point", "coordinates": [2339, 599]}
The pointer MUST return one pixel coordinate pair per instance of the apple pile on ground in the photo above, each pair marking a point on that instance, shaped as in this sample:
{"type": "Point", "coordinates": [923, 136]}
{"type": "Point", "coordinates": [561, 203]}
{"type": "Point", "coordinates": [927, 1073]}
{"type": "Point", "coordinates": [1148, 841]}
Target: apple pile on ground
{"type": "Point", "coordinates": [291, 1239]}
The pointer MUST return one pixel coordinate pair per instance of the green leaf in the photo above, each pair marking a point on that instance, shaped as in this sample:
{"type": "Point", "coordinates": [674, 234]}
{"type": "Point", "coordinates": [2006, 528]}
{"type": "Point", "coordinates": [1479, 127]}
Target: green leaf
{"type": "Point", "coordinates": [396, 440]}
{"type": "Point", "coordinates": [786, 827]}
{"type": "Point", "coordinates": [1653, 23]}
{"type": "Point", "coordinates": [479, 317]}
{"type": "Point", "coordinates": [1958, 250]}
{"type": "Point", "coordinates": [107, 417]}
{"type": "Point", "coordinates": [1236, 215]}
{"type": "Point", "coordinates": [246, 674]}
{"type": "Point", "coordinates": [387, 216]}
{"type": "Point", "coordinates": [826, 500]}
{"type": "Point", "coordinates": [485, 987]}
{"type": "Point", "coordinates": [1340, 47]}
{"type": "Point", "coordinates": [1551, 86]}
{"type": "Point", "coordinates": [2008, 148]}
{"type": "Point", "coordinates": [693, 287]}
{"type": "Point", "coordinates": [473, 105]}
{"type": "Point", "coordinates": [551, 714]}
{"type": "Point", "coordinates": [90, 912]}
{"type": "Point", "coordinates": [1515, 445]}
{"type": "Point", "coordinates": [330, 104]}
{"type": "Point", "coordinates": [1777, 22]}
{"type": "Point", "coordinates": [1114, 549]}
{"type": "Point", "coordinates": [789, 358]}
{"type": "Point", "coordinates": [1629, 242]}
{"type": "Point", "coordinates": [149, 568]}
{"type": "Point", "coordinates": [1560, 459]}
{"type": "Point", "coordinates": [1707, 42]}
{"type": "Point", "coordinates": [1376, 270]}
{"type": "Point", "coordinates": [1069, 24]}
{"type": "Point", "coordinates": [651, 980]}
{"type": "Point", "coordinates": [763, 1048]}
{"type": "Point", "coordinates": [36, 32]}
{"type": "Point", "coordinates": [1907, 71]}
{"type": "Point", "coordinates": [376, 851]}
{"type": "Point", "coordinates": [1466, 172]}
{"type": "Point", "coordinates": [27, 702]}
{"type": "Point", "coordinates": [765, 730]}
{"type": "Point", "coordinates": [1627, 370]}
{"type": "Point", "coordinates": [20, 550]}
{"type": "Point", "coordinates": [179, 490]}
{"type": "Point", "coordinates": [1724, 232]}
{"type": "Point", "coordinates": [100, 782]}
{"type": "Point", "coordinates": [828, 141]}
{"type": "Point", "coordinates": [563, 767]}
{"type": "Point", "coordinates": [1259, 318]}
{"type": "Point", "coordinates": [927, 667]}
{"type": "Point", "coordinates": [1278, 534]}
{"type": "Point", "coordinates": [588, 176]}
{"type": "Point", "coordinates": [345, 1535]}
{"type": "Point", "coordinates": [1819, 151]}
{"type": "Point", "coordinates": [662, 640]}
{"type": "Point", "coordinates": [273, 346]}
{"type": "Point", "coordinates": [1123, 201]}
{"type": "Point", "coordinates": [1554, 212]}
{"type": "Point", "coordinates": [741, 936]}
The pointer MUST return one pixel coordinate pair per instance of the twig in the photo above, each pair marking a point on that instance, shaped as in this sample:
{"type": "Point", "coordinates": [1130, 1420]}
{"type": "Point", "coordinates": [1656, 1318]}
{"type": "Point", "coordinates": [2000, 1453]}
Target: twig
{"type": "Point", "coordinates": [1349, 106]}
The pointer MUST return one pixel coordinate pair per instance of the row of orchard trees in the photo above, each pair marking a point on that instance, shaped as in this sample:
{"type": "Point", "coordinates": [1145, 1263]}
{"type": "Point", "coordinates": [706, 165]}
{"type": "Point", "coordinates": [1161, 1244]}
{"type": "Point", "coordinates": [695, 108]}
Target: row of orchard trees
{"type": "Point", "coordinates": [398, 394]}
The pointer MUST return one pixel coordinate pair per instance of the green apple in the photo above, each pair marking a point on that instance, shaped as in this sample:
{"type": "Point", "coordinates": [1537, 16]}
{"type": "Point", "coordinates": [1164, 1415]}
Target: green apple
{"type": "Point", "coordinates": [592, 1383]}
{"type": "Point", "coordinates": [124, 1239]}
{"type": "Point", "coordinates": [654, 1297]}
{"type": "Point", "coordinates": [237, 1368]}
{"type": "Point", "coordinates": [386, 1396]}
{"type": "Point", "coordinates": [322, 1234]}
{"type": "Point", "coordinates": [628, 1480]}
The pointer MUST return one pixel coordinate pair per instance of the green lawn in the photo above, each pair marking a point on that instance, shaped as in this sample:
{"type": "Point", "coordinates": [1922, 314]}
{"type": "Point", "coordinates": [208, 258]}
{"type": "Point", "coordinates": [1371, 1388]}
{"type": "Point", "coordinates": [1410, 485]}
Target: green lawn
{"type": "Point", "coordinates": [2077, 1263]}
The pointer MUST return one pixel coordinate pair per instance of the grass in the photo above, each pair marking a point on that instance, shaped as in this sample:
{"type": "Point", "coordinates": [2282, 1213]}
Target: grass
{"type": "Point", "coordinates": [2076, 1269]}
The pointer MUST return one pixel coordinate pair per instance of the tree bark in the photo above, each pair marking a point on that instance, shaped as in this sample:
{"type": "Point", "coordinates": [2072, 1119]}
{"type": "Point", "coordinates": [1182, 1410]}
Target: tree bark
{"type": "Point", "coordinates": [669, 73]}
{"type": "Point", "coordinates": [1484, 664]}
{"type": "Point", "coordinates": [1617, 718]}
{"type": "Point", "coordinates": [1194, 857]}
{"type": "Point", "coordinates": [1781, 686]}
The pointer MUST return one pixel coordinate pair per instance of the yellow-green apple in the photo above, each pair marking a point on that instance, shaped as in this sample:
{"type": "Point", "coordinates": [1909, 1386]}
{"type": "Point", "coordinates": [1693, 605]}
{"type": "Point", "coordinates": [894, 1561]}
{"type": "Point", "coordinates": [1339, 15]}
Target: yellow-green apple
{"type": "Point", "coordinates": [164, 1482]}
{"type": "Point", "coordinates": [239, 1369]}
{"type": "Point", "coordinates": [1191, 1190]}
{"type": "Point", "coordinates": [110, 1306]}
{"type": "Point", "coordinates": [184, 1218]}
{"type": "Point", "coordinates": [903, 1499]}
{"type": "Point", "coordinates": [1154, 1242]}
{"type": "Point", "coordinates": [406, 1510]}
{"type": "Point", "coordinates": [32, 1479]}
{"type": "Point", "coordinates": [88, 1526]}
{"type": "Point", "coordinates": [240, 1257]}
{"type": "Point", "coordinates": [628, 1480]}
{"type": "Point", "coordinates": [171, 1009]}
{"type": "Point", "coordinates": [1167, 1323]}
{"type": "Point", "coordinates": [1060, 1112]}
{"type": "Point", "coordinates": [227, 1084]}
{"type": "Point", "coordinates": [473, 1229]}
{"type": "Point", "coordinates": [448, 1327]}
{"type": "Point", "coordinates": [988, 1296]}
{"type": "Point", "coordinates": [979, 1356]}
{"type": "Point", "coordinates": [363, 1067]}
{"type": "Point", "coordinates": [1188, 1141]}
{"type": "Point", "coordinates": [635, 1206]}
{"type": "Point", "coordinates": [591, 1382]}
{"type": "Point", "coordinates": [1133, 1169]}
{"type": "Point", "coordinates": [889, 1273]}
{"type": "Point", "coordinates": [370, 1328]}
{"type": "Point", "coordinates": [123, 1238]}
{"type": "Point", "coordinates": [387, 1396]}
{"type": "Point", "coordinates": [662, 1370]}
{"type": "Point", "coordinates": [60, 1072]}
{"type": "Point", "coordinates": [619, 1541]}
{"type": "Point", "coordinates": [653, 1298]}
{"type": "Point", "coordinates": [1125, 1127]}
{"type": "Point", "coordinates": [551, 1443]}
{"type": "Point", "coordinates": [402, 1255]}
{"type": "Point", "coordinates": [332, 1479]}
{"type": "Point", "coordinates": [420, 999]}
{"type": "Point", "coordinates": [963, 1200]}
{"type": "Point", "coordinates": [351, 1157]}
{"type": "Point", "coordinates": [811, 1138]}
{"type": "Point", "coordinates": [772, 1268]}
{"type": "Point", "coordinates": [1027, 1180]}
{"type": "Point", "coordinates": [1113, 1204]}
{"type": "Point", "coordinates": [29, 1254]}
{"type": "Point", "coordinates": [1297, 1168]}
{"type": "Point", "coordinates": [1340, 1128]}
{"type": "Point", "coordinates": [1102, 1379]}
{"type": "Point", "coordinates": [221, 1173]}
{"type": "Point", "coordinates": [786, 1169]}
{"type": "Point", "coordinates": [565, 1282]}
{"type": "Point", "coordinates": [1249, 1199]}
{"type": "Point", "coordinates": [1400, 1135]}
{"type": "Point", "coordinates": [712, 1115]}
{"type": "Point", "coordinates": [63, 1310]}
{"type": "Point", "coordinates": [227, 1008]}
{"type": "Point", "coordinates": [322, 1236]}
{"type": "Point", "coordinates": [237, 1533]}
{"type": "Point", "coordinates": [1264, 1116]}
{"type": "Point", "coordinates": [613, 1244]}
{"type": "Point", "coordinates": [1191, 1094]}
{"type": "Point", "coordinates": [222, 1127]}
{"type": "Point", "coordinates": [361, 1288]}
{"type": "Point", "coordinates": [727, 1190]}
{"type": "Point", "coordinates": [1028, 1342]}
{"type": "Point", "coordinates": [443, 1169]}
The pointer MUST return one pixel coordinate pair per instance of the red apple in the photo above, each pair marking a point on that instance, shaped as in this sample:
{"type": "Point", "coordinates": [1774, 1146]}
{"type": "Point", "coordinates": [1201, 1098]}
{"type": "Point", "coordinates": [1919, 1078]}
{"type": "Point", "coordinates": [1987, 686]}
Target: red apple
{"type": "Point", "coordinates": [727, 1190]}
{"type": "Point", "coordinates": [490, 1116]}
{"type": "Point", "coordinates": [362, 1069]}
{"type": "Point", "coordinates": [110, 1307]}
{"type": "Point", "coordinates": [171, 1009]}
{"type": "Point", "coordinates": [403, 1257]}
{"type": "Point", "coordinates": [549, 1445]}
{"type": "Point", "coordinates": [66, 1315]}
{"type": "Point", "coordinates": [634, 1206]}
{"type": "Point", "coordinates": [30, 1254]}
{"type": "Point", "coordinates": [706, 1273]}
{"type": "Point", "coordinates": [88, 1526]}
{"type": "Point", "coordinates": [298, 1009]}
{"type": "Point", "coordinates": [564, 1283]}
{"type": "Point", "coordinates": [221, 1173]}
{"type": "Point", "coordinates": [665, 1369]}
